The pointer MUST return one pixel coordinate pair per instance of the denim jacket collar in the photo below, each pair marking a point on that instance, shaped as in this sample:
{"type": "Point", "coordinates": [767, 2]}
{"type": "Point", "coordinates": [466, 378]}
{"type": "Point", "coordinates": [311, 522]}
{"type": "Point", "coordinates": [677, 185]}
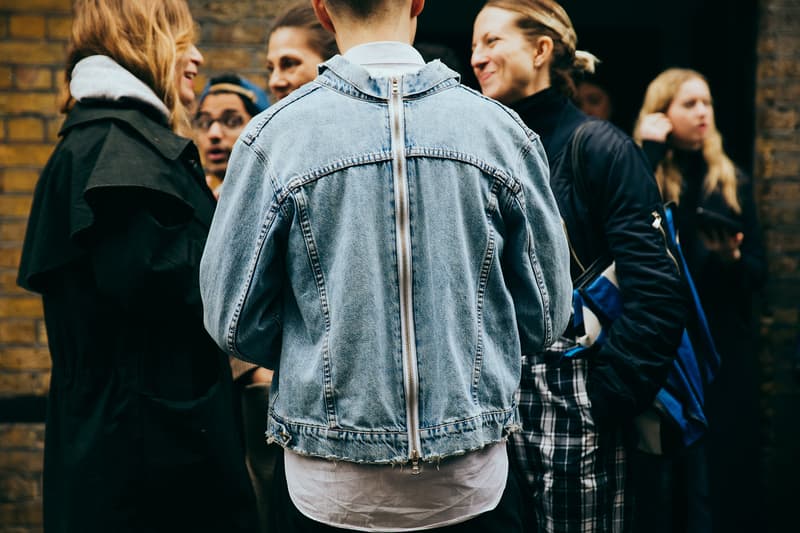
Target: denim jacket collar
{"type": "Point", "coordinates": [341, 75]}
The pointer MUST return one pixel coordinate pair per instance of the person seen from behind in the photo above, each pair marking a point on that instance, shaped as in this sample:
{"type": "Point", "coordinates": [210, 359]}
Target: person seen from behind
{"type": "Point", "coordinates": [406, 252]}
{"type": "Point", "coordinates": [140, 433]}
{"type": "Point", "coordinates": [225, 106]}
{"type": "Point", "coordinates": [576, 411]}
{"type": "Point", "coordinates": [721, 240]}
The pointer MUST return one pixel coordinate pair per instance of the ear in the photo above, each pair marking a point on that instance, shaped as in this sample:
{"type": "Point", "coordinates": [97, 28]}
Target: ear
{"type": "Point", "coordinates": [416, 7]}
{"type": "Point", "coordinates": [543, 51]}
{"type": "Point", "coordinates": [321, 10]}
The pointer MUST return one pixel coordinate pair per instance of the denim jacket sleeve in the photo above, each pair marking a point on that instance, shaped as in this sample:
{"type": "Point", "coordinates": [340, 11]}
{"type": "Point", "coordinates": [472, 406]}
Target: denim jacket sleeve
{"type": "Point", "coordinates": [242, 262]}
{"type": "Point", "coordinates": [537, 258]}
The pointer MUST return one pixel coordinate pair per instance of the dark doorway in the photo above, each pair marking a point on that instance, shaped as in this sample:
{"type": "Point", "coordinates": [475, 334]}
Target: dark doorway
{"type": "Point", "coordinates": [635, 41]}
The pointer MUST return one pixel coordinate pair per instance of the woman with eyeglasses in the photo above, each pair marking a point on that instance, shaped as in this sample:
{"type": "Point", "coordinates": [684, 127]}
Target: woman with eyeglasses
{"type": "Point", "coordinates": [140, 432]}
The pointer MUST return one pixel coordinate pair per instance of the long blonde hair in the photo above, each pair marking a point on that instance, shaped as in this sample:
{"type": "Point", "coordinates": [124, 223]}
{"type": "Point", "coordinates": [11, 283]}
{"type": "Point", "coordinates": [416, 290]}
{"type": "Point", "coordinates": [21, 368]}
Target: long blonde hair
{"type": "Point", "coordinates": [547, 18]}
{"type": "Point", "coordinates": [721, 172]}
{"type": "Point", "coordinates": [146, 37]}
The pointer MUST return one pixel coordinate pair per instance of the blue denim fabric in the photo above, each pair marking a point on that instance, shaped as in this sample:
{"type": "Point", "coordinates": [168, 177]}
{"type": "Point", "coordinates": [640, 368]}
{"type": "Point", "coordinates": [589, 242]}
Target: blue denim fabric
{"type": "Point", "coordinates": [300, 271]}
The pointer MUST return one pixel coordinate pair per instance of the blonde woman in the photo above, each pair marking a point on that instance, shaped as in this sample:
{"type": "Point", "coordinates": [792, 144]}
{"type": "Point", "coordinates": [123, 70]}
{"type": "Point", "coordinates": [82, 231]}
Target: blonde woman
{"type": "Point", "coordinates": [575, 409]}
{"type": "Point", "coordinates": [140, 432]}
{"type": "Point", "coordinates": [721, 241]}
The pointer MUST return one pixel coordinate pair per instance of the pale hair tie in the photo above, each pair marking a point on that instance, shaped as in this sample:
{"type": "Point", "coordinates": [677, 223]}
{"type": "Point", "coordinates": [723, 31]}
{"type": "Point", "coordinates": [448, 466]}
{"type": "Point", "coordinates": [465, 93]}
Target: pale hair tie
{"type": "Point", "coordinates": [585, 61]}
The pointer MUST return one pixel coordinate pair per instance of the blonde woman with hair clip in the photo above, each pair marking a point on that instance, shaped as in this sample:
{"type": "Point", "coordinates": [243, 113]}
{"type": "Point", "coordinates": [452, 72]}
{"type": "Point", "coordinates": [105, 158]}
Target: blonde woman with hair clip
{"type": "Point", "coordinates": [140, 433]}
{"type": "Point", "coordinates": [721, 241]}
{"type": "Point", "coordinates": [576, 409]}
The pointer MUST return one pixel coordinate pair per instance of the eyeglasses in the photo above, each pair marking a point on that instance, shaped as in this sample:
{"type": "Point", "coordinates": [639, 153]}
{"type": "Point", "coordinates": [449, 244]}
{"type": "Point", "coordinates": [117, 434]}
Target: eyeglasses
{"type": "Point", "coordinates": [229, 120]}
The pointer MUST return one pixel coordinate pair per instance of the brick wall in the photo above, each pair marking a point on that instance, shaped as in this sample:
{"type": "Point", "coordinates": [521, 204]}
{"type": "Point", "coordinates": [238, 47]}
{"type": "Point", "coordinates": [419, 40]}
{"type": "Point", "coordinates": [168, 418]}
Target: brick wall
{"type": "Point", "coordinates": [777, 170]}
{"type": "Point", "coordinates": [33, 34]}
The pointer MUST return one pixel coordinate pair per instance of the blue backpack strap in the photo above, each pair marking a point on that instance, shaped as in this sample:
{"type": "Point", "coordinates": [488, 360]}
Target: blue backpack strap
{"type": "Point", "coordinates": [712, 361]}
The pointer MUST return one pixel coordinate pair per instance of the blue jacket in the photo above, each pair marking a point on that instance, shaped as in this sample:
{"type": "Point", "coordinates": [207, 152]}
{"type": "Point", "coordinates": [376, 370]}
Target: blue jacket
{"type": "Point", "coordinates": [391, 247]}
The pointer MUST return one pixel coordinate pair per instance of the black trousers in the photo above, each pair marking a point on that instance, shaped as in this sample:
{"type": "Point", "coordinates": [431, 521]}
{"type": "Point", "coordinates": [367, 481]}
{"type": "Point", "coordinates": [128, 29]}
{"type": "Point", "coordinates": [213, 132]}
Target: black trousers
{"type": "Point", "coordinates": [505, 518]}
{"type": "Point", "coordinates": [671, 492]}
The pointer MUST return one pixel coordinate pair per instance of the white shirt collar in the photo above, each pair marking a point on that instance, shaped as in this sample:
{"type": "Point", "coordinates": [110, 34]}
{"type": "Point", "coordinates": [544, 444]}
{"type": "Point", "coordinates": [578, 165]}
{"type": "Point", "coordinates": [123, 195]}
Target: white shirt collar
{"type": "Point", "coordinates": [385, 58]}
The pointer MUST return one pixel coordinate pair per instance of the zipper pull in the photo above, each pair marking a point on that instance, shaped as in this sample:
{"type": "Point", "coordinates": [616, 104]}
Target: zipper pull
{"type": "Point", "coordinates": [656, 220]}
{"type": "Point", "coordinates": [415, 469]}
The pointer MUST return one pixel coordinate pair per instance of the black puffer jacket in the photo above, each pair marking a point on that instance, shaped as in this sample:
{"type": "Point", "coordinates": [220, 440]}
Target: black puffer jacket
{"type": "Point", "coordinates": [616, 214]}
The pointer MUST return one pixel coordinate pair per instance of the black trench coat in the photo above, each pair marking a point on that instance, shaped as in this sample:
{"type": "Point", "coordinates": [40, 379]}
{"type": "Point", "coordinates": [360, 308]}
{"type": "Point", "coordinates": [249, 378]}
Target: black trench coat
{"type": "Point", "coordinates": [140, 434]}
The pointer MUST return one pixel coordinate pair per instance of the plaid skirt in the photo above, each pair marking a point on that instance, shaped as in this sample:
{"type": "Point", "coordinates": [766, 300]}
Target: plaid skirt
{"type": "Point", "coordinates": [573, 476]}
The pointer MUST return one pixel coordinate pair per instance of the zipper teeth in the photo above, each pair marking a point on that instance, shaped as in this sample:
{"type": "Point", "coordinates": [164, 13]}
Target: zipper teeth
{"type": "Point", "coordinates": [666, 239]}
{"type": "Point", "coordinates": [404, 273]}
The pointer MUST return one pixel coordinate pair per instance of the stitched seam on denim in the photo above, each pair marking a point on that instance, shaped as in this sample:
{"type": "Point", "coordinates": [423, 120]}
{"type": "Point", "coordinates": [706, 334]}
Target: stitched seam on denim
{"type": "Point", "coordinates": [319, 278]}
{"type": "Point", "coordinates": [302, 180]}
{"type": "Point", "coordinates": [534, 263]}
{"type": "Point", "coordinates": [483, 279]}
{"type": "Point", "coordinates": [234, 325]}
{"type": "Point", "coordinates": [250, 134]}
{"type": "Point", "coordinates": [347, 89]}
{"type": "Point", "coordinates": [487, 416]}
{"type": "Point", "coordinates": [505, 179]}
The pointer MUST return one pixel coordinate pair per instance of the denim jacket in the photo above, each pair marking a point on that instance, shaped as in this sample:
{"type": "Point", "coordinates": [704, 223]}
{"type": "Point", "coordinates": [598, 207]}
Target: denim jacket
{"type": "Point", "coordinates": [391, 247]}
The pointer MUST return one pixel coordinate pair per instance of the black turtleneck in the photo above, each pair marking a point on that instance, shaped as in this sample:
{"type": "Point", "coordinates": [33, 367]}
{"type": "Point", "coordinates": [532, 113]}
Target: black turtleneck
{"type": "Point", "coordinates": [552, 116]}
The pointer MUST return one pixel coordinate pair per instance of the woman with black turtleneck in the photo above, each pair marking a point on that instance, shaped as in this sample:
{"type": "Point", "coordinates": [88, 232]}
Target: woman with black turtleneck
{"type": "Point", "coordinates": [721, 241]}
{"type": "Point", "coordinates": [574, 410]}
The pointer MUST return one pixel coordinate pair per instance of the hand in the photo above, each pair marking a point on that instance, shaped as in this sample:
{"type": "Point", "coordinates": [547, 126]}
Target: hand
{"type": "Point", "coordinates": [261, 375]}
{"type": "Point", "coordinates": [214, 183]}
{"type": "Point", "coordinates": [655, 127]}
{"type": "Point", "coordinates": [725, 245]}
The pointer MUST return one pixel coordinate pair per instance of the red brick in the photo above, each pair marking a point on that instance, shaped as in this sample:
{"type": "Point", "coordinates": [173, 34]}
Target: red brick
{"type": "Point", "coordinates": [21, 461]}
{"type": "Point", "coordinates": [247, 33]}
{"type": "Point", "coordinates": [23, 384]}
{"type": "Point", "coordinates": [25, 154]}
{"type": "Point", "coordinates": [53, 127]}
{"type": "Point", "coordinates": [36, 5]}
{"type": "Point", "coordinates": [17, 180]}
{"type": "Point", "coordinates": [15, 204]}
{"type": "Point", "coordinates": [33, 78]}
{"type": "Point", "coordinates": [8, 283]}
{"type": "Point", "coordinates": [233, 58]}
{"type": "Point", "coordinates": [59, 27]}
{"type": "Point", "coordinates": [21, 436]}
{"type": "Point", "coordinates": [42, 332]}
{"type": "Point", "coordinates": [18, 488]}
{"type": "Point", "coordinates": [18, 331]}
{"type": "Point", "coordinates": [24, 358]}
{"type": "Point", "coordinates": [5, 77]}
{"type": "Point", "coordinates": [26, 129]}
{"type": "Point", "coordinates": [26, 102]}
{"type": "Point", "coordinates": [12, 230]}
{"type": "Point", "coordinates": [21, 513]}
{"type": "Point", "coordinates": [21, 307]}
{"type": "Point", "coordinates": [26, 26]}
{"type": "Point", "coordinates": [34, 53]}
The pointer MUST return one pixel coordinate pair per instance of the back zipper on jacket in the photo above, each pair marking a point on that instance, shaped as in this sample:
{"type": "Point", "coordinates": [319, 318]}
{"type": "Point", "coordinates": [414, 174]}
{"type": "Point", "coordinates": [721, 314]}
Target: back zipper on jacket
{"type": "Point", "coordinates": [404, 274]}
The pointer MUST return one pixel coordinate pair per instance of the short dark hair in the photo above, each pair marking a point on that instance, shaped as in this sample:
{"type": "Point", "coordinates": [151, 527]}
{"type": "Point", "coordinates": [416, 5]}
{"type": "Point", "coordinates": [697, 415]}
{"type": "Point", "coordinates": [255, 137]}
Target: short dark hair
{"type": "Point", "coordinates": [360, 8]}
{"type": "Point", "coordinates": [301, 15]}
